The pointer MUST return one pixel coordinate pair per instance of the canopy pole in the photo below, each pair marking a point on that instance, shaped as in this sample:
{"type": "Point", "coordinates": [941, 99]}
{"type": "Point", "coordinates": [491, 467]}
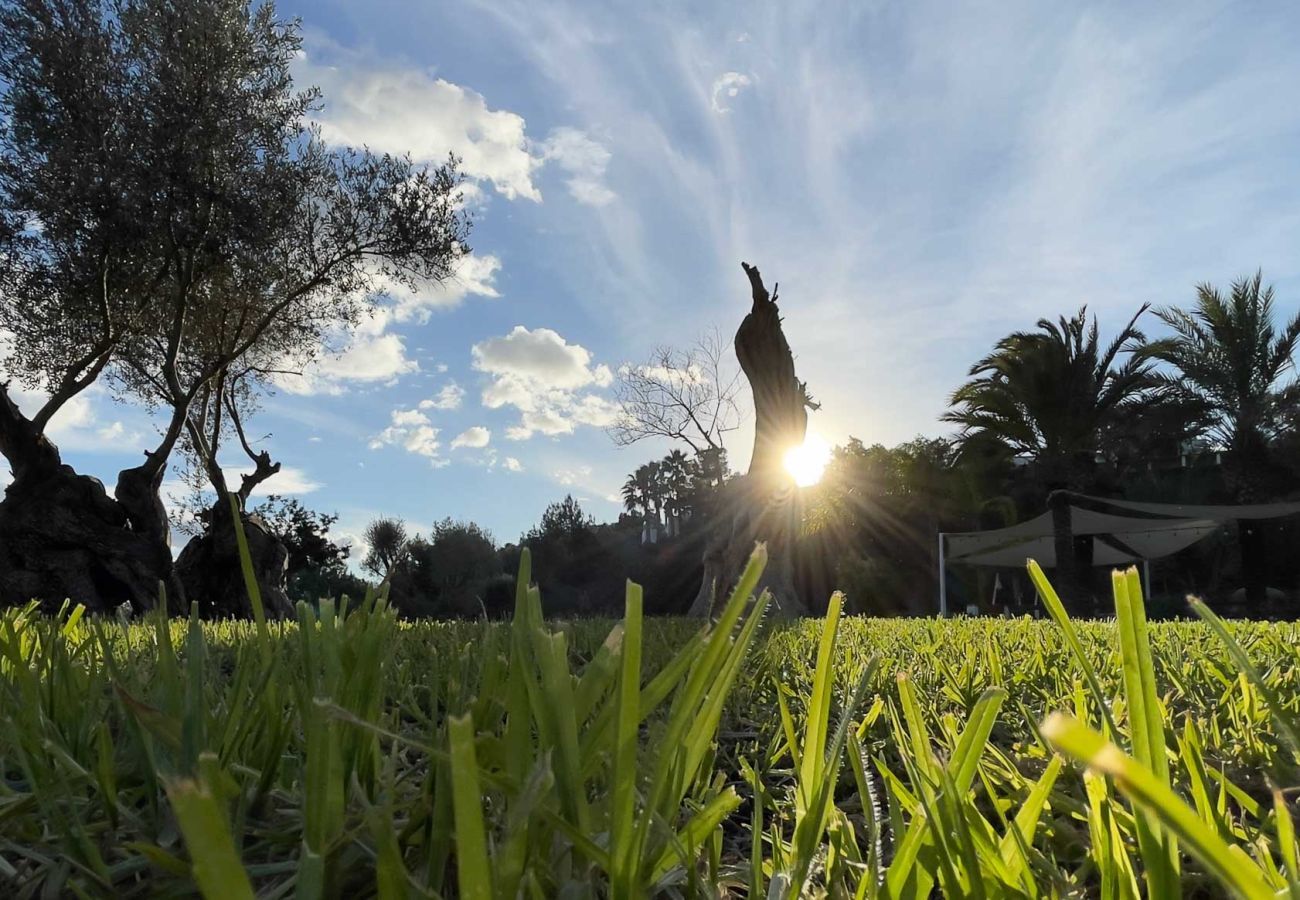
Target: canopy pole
{"type": "Point", "coordinates": [1146, 579]}
{"type": "Point", "coordinates": [943, 581]}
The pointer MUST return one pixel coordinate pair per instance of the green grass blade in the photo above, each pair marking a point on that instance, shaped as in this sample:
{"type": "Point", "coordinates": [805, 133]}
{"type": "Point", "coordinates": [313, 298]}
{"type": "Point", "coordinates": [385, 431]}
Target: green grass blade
{"type": "Point", "coordinates": [473, 871]}
{"type": "Point", "coordinates": [1055, 609]}
{"type": "Point", "coordinates": [1146, 729]}
{"type": "Point", "coordinates": [627, 734]}
{"type": "Point", "coordinates": [1286, 726]}
{"type": "Point", "coordinates": [1234, 870]}
{"type": "Point", "coordinates": [216, 866]}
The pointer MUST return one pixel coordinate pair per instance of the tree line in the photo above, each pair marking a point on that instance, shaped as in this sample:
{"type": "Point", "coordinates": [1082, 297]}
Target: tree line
{"type": "Point", "coordinates": [1205, 412]}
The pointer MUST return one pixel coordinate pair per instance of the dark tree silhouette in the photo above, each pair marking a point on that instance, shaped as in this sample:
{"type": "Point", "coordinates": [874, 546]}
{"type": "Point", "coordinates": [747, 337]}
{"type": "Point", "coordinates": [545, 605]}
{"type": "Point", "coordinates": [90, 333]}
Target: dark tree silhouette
{"type": "Point", "coordinates": [762, 505]}
{"type": "Point", "coordinates": [1229, 359]}
{"type": "Point", "coordinates": [1050, 395]}
{"type": "Point", "coordinates": [387, 541]}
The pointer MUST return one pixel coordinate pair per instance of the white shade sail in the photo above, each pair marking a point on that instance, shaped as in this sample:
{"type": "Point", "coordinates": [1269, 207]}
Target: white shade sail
{"type": "Point", "coordinates": [1152, 530]}
{"type": "Point", "coordinates": [1194, 511]}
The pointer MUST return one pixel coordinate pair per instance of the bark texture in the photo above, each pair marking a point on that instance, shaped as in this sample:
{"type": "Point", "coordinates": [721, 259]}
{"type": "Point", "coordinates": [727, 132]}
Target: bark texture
{"type": "Point", "coordinates": [762, 505]}
{"type": "Point", "coordinates": [62, 537]}
{"type": "Point", "coordinates": [210, 571]}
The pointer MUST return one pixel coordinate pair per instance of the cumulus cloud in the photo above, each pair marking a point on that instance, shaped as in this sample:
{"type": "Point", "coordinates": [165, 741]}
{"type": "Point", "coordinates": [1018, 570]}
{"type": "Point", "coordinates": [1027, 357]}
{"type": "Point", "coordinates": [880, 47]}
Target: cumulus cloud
{"type": "Point", "coordinates": [583, 160]}
{"type": "Point", "coordinates": [116, 434]}
{"type": "Point", "coordinates": [471, 274]}
{"type": "Point", "coordinates": [540, 355]}
{"type": "Point", "coordinates": [728, 86]}
{"type": "Point", "coordinates": [449, 397]}
{"type": "Point", "coordinates": [394, 110]}
{"type": "Point", "coordinates": [543, 376]}
{"type": "Point", "coordinates": [369, 354]}
{"type": "Point", "coordinates": [510, 464]}
{"type": "Point", "coordinates": [475, 437]}
{"type": "Point", "coordinates": [373, 103]}
{"type": "Point", "coordinates": [411, 430]}
{"type": "Point", "coordinates": [372, 353]}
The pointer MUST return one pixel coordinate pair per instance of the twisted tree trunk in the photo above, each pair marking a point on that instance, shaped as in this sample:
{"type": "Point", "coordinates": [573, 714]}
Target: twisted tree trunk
{"type": "Point", "coordinates": [211, 572]}
{"type": "Point", "coordinates": [762, 504]}
{"type": "Point", "coordinates": [62, 537]}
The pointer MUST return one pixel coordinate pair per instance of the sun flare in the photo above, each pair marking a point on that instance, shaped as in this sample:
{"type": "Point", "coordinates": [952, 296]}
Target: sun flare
{"type": "Point", "coordinates": [807, 461]}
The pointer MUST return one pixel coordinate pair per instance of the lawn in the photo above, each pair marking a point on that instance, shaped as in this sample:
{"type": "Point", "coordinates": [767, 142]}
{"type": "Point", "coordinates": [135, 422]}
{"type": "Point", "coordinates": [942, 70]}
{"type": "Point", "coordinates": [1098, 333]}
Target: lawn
{"type": "Point", "coordinates": [360, 755]}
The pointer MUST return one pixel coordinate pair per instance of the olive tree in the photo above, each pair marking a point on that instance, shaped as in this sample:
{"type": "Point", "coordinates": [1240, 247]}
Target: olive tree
{"type": "Point", "coordinates": [172, 224]}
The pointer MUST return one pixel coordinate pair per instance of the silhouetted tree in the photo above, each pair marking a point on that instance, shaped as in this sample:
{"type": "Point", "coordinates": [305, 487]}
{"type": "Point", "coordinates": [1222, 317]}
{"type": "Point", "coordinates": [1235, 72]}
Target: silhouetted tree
{"type": "Point", "coordinates": [1048, 395]}
{"type": "Point", "coordinates": [317, 566]}
{"type": "Point", "coordinates": [758, 505]}
{"type": "Point", "coordinates": [1228, 356]}
{"type": "Point", "coordinates": [387, 541]}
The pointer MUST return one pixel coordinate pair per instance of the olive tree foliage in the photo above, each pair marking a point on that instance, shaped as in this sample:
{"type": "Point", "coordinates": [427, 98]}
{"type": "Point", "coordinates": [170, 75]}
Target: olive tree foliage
{"type": "Point", "coordinates": [688, 395]}
{"type": "Point", "coordinates": [171, 221]}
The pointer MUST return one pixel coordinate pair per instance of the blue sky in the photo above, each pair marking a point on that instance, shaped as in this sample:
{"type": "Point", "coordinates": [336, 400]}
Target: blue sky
{"type": "Point", "coordinates": [920, 177]}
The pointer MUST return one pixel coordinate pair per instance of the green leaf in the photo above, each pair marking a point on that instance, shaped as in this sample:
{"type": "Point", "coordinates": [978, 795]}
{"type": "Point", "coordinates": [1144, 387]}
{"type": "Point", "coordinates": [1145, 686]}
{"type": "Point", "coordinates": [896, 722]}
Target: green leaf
{"type": "Point", "coordinates": [473, 871]}
{"type": "Point", "coordinates": [1229, 864]}
{"type": "Point", "coordinates": [215, 864]}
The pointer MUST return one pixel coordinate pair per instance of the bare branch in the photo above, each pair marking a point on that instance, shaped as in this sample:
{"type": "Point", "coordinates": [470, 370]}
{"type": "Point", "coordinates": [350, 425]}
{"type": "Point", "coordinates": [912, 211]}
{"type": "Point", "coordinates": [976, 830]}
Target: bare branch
{"type": "Point", "coordinates": [683, 395]}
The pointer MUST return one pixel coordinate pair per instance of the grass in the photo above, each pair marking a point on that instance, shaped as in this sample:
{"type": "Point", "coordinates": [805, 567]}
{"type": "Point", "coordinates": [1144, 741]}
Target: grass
{"type": "Point", "coordinates": [351, 754]}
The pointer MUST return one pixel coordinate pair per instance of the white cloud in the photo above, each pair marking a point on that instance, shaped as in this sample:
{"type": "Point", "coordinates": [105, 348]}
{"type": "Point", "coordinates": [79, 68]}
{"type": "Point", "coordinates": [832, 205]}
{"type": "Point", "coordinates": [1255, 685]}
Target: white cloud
{"type": "Point", "coordinates": [728, 86]}
{"type": "Point", "coordinates": [475, 437]}
{"type": "Point", "coordinates": [449, 397]}
{"type": "Point", "coordinates": [510, 464]}
{"type": "Point", "coordinates": [548, 421]}
{"type": "Point", "coordinates": [584, 160]}
{"type": "Point", "coordinates": [116, 434]}
{"type": "Point", "coordinates": [540, 355]}
{"type": "Point", "coordinates": [356, 544]}
{"type": "Point", "coordinates": [409, 418]}
{"type": "Point", "coordinates": [471, 274]}
{"type": "Point", "coordinates": [570, 477]}
{"type": "Point", "coordinates": [539, 373]}
{"type": "Point", "coordinates": [398, 111]}
{"type": "Point", "coordinates": [594, 410]}
{"type": "Point", "coordinates": [412, 431]}
{"type": "Point", "coordinates": [369, 355]}
{"type": "Point", "coordinates": [289, 480]}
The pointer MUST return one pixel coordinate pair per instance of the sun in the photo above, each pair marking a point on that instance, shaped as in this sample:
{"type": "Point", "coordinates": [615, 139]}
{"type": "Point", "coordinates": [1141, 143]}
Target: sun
{"type": "Point", "coordinates": [807, 461]}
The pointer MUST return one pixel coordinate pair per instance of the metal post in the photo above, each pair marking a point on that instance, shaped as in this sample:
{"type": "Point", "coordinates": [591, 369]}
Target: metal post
{"type": "Point", "coordinates": [943, 581]}
{"type": "Point", "coordinates": [1146, 579]}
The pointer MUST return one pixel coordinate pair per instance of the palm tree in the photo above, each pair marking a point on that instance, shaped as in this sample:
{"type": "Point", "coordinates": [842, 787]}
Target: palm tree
{"type": "Point", "coordinates": [1227, 356]}
{"type": "Point", "coordinates": [655, 494]}
{"type": "Point", "coordinates": [1048, 395]}
{"type": "Point", "coordinates": [676, 468]}
{"type": "Point", "coordinates": [633, 500]}
{"type": "Point", "coordinates": [639, 493]}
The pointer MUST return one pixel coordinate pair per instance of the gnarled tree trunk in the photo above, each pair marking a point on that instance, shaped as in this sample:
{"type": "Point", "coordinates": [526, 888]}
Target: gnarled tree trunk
{"type": "Point", "coordinates": [762, 504]}
{"type": "Point", "coordinates": [211, 573]}
{"type": "Point", "coordinates": [62, 537]}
